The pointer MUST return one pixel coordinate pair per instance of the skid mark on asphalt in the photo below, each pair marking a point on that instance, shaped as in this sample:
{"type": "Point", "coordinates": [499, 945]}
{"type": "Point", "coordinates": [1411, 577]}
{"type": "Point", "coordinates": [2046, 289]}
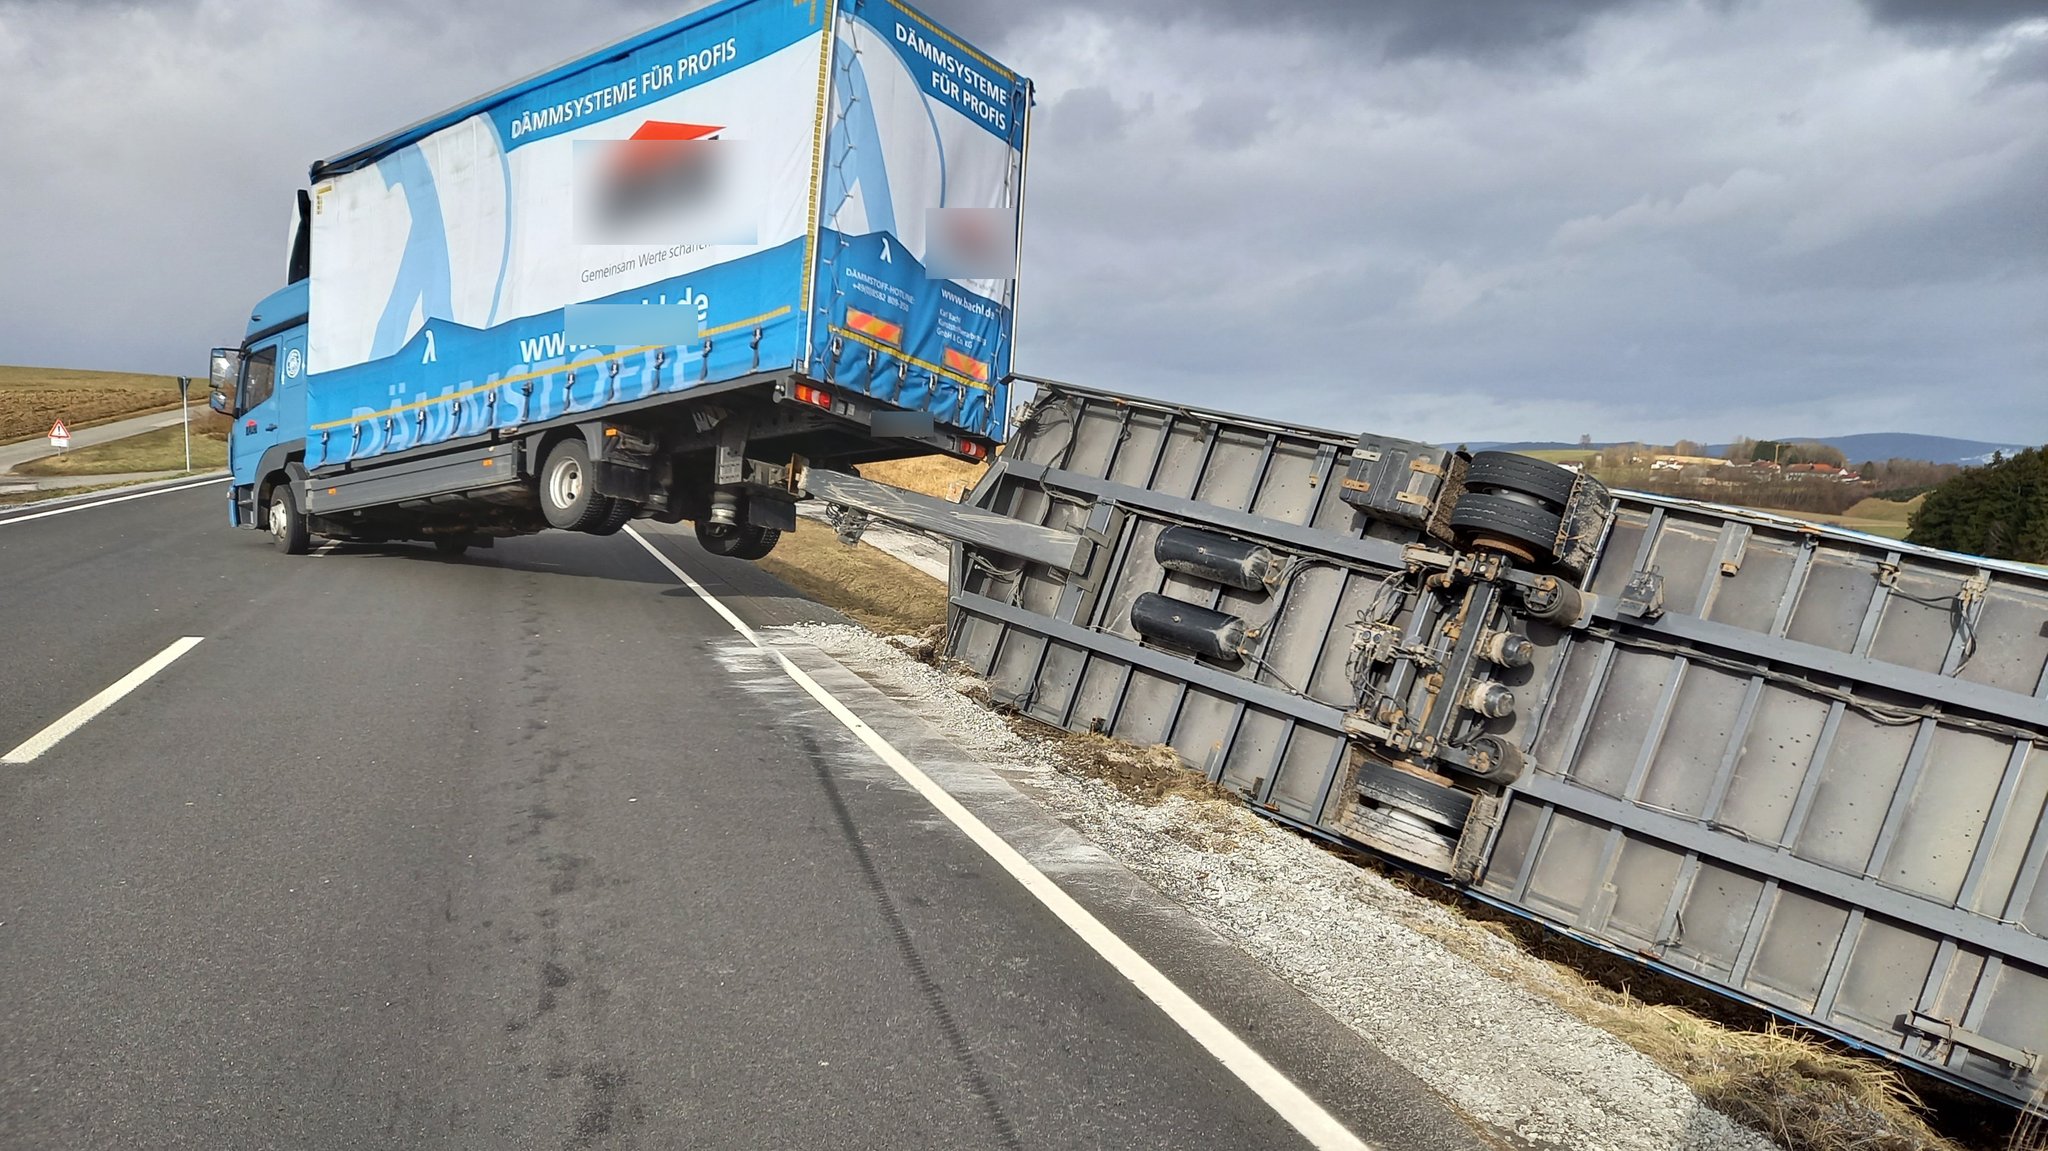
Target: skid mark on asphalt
{"type": "Point", "coordinates": [974, 1080]}
{"type": "Point", "coordinates": [563, 1038]}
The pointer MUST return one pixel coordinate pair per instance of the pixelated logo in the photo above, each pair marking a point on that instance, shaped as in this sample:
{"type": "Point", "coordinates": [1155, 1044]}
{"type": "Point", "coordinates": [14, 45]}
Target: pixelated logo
{"type": "Point", "coordinates": [970, 243]}
{"type": "Point", "coordinates": [668, 183]}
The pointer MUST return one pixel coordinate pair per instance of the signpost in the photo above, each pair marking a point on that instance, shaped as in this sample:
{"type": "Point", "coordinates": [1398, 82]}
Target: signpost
{"type": "Point", "coordinates": [60, 436]}
{"type": "Point", "coordinates": [185, 409]}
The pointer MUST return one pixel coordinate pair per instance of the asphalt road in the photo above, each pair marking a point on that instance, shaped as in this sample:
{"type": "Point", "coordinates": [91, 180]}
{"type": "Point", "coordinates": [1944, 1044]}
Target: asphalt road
{"type": "Point", "coordinates": [512, 852]}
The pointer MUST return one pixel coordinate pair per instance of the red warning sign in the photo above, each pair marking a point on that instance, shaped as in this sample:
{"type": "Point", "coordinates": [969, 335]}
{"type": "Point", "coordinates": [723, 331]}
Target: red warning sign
{"type": "Point", "coordinates": [60, 436]}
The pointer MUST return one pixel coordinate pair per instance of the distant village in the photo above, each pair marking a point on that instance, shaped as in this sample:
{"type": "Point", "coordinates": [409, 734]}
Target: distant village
{"type": "Point", "coordinates": [1780, 474]}
{"type": "Point", "coordinates": [1716, 470]}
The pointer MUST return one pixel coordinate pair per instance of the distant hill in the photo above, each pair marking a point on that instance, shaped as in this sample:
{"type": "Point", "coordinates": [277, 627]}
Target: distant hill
{"type": "Point", "coordinates": [1857, 448]}
{"type": "Point", "coordinates": [1913, 446]}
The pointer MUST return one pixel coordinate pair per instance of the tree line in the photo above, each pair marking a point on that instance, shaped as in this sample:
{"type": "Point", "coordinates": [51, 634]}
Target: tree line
{"type": "Point", "coordinates": [1999, 510]}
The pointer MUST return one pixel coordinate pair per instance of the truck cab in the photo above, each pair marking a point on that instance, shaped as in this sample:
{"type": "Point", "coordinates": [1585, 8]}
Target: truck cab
{"type": "Point", "coordinates": [262, 386]}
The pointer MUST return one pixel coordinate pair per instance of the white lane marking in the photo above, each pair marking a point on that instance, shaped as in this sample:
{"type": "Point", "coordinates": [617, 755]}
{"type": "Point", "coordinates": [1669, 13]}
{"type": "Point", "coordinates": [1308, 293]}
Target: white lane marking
{"type": "Point", "coordinates": [77, 717]}
{"type": "Point", "coordinates": [325, 549]}
{"type": "Point", "coordinates": [1290, 1102]}
{"type": "Point", "coordinates": [114, 500]}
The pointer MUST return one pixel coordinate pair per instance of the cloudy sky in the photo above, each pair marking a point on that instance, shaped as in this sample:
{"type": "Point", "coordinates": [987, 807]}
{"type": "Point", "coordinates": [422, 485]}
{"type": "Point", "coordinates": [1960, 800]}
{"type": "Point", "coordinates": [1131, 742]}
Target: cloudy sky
{"type": "Point", "coordinates": [1439, 218]}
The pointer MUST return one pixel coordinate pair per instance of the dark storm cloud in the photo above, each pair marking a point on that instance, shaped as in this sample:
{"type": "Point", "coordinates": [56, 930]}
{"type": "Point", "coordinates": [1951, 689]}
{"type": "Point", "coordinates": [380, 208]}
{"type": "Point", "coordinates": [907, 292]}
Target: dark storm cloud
{"type": "Point", "coordinates": [1716, 217]}
{"type": "Point", "coordinates": [1393, 28]}
{"type": "Point", "coordinates": [2025, 61]}
{"type": "Point", "coordinates": [1956, 15]}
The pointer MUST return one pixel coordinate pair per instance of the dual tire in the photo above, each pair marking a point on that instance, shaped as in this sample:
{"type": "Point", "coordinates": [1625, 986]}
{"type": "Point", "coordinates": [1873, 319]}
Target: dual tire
{"type": "Point", "coordinates": [1513, 504]}
{"type": "Point", "coordinates": [569, 498]}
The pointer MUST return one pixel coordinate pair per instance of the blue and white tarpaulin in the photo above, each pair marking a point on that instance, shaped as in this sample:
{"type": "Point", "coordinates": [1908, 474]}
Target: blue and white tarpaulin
{"type": "Point", "coordinates": [786, 171]}
{"type": "Point", "coordinates": [925, 131]}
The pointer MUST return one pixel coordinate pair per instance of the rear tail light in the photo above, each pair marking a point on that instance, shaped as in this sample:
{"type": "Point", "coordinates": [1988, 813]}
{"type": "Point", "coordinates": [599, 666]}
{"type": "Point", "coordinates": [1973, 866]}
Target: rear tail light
{"type": "Point", "coordinates": [816, 397]}
{"type": "Point", "coordinates": [973, 450]}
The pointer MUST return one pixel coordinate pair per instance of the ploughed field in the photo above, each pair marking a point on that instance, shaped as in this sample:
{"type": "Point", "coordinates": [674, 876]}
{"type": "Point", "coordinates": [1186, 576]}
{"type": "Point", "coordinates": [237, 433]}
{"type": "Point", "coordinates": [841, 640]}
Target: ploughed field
{"type": "Point", "coordinates": [32, 398]}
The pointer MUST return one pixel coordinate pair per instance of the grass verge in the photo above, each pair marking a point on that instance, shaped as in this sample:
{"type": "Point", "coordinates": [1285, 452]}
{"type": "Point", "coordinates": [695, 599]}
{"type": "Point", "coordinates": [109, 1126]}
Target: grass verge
{"type": "Point", "coordinates": [37, 495]}
{"type": "Point", "coordinates": [1801, 1090]}
{"type": "Point", "coordinates": [941, 476]}
{"type": "Point", "coordinates": [162, 450]}
{"type": "Point", "coordinates": [876, 590]}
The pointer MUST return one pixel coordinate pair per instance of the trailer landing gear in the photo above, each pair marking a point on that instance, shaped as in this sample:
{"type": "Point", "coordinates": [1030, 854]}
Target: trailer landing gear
{"type": "Point", "coordinates": [740, 542]}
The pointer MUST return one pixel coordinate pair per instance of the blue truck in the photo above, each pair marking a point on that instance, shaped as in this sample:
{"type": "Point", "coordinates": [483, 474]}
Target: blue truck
{"type": "Point", "coordinates": [666, 279]}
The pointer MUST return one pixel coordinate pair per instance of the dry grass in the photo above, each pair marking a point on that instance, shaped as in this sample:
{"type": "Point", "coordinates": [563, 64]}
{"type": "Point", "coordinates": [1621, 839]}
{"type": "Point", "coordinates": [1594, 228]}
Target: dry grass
{"type": "Point", "coordinates": [1803, 1091]}
{"type": "Point", "coordinates": [941, 476]}
{"type": "Point", "coordinates": [32, 398]}
{"type": "Point", "coordinates": [880, 592]}
{"type": "Point", "coordinates": [162, 450]}
{"type": "Point", "coordinates": [2032, 1132]}
{"type": "Point", "coordinates": [1877, 517]}
{"type": "Point", "coordinates": [1149, 775]}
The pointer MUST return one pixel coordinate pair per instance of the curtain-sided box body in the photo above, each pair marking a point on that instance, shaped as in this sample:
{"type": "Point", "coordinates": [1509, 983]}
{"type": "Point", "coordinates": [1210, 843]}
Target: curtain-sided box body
{"type": "Point", "coordinates": [827, 191]}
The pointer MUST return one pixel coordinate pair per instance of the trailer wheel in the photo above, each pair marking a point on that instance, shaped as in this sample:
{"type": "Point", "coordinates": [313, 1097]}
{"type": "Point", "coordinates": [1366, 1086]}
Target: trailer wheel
{"type": "Point", "coordinates": [740, 542]}
{"type": "Point", "coordinates": [622, 513]}
{"type": "Point", "coordinates": [1506, 524]}
{"type": "Point", "coordinates": [568, 492]}
{"type": "Point", "coordinates": [287, 527]}
{"type": "Point", "coordinates": [1508, 472]}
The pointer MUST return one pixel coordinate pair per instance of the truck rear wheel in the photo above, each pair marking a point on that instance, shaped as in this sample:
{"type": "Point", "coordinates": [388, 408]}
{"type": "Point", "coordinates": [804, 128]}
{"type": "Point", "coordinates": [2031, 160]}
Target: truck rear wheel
{"type": "Point", "coordinates": [287, 527]}
{"type": "Point", "coordinates": [568, 491]}
{"type": "Point", "coordinates": [740, 542]}
{"type": "Point", "coordinates": [622, 513]}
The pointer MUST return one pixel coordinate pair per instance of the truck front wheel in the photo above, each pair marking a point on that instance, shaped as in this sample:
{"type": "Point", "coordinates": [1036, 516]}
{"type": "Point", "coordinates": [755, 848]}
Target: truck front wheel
{"type": "Point", "coordinates": [568, 491]}
{"type": "Point", "coordinates": [287, 527]}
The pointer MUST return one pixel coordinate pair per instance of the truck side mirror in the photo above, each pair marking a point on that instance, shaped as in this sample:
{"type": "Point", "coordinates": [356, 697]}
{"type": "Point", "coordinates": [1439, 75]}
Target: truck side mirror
{"type": "Point", "coordinates": [224, 376]}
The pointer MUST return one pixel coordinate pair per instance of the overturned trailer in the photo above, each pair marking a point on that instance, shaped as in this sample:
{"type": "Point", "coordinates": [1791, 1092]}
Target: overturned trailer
{"type": "Point", "coordinates": [1802, 766]}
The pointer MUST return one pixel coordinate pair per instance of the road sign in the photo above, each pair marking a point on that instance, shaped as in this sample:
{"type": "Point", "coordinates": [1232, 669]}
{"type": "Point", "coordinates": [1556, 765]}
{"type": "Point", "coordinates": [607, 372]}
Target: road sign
{"type": "Point", "coordinates": [60, 436]}
{"type": "Point", "coordinates": [185, 415]}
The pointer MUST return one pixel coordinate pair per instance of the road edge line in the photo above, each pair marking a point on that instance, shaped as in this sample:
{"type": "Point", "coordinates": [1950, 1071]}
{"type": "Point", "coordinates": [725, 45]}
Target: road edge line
{"type": "Point", "coordinates": [99, 503]}
{"type": "Point", "coordinates": [79, 716]}
{"type": "Point", "coordinates": [1274, 1088]}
